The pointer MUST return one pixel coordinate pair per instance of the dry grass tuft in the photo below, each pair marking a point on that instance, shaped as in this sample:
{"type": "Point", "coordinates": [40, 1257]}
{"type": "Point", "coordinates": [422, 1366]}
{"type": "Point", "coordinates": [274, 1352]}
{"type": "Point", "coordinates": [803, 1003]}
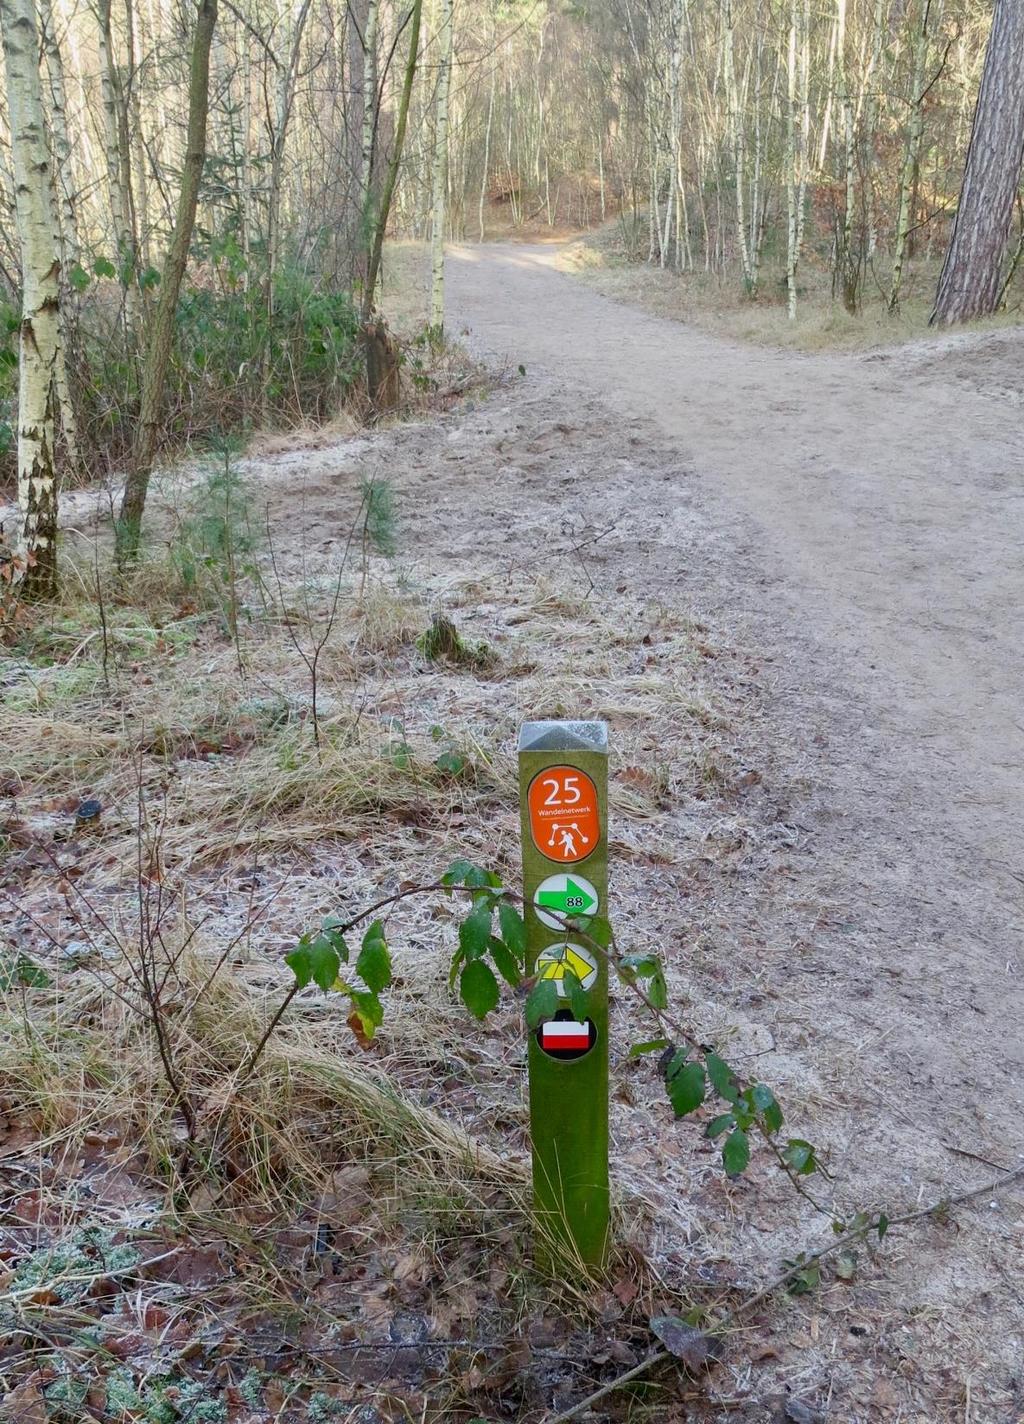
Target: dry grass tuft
{"type": "Point", "coordinates": [82, 1057]}
{"type": "Point", "coordinates": [385, 620]}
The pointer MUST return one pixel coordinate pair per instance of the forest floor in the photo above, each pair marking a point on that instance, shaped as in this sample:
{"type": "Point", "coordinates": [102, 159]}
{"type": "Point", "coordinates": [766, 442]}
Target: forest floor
{"type": "Point", "coordinates": [790, 586]}
{"type": "Point", "coordinates": [716, 302]}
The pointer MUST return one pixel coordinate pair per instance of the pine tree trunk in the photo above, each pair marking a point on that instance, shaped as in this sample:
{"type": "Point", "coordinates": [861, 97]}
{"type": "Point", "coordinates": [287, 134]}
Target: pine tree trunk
{"type": "Point", "coordinates": [35, 565]}
{"type": "Point", "coordinates": [970, 284]}
{"type": "Point", "coordinates": [161, 338]}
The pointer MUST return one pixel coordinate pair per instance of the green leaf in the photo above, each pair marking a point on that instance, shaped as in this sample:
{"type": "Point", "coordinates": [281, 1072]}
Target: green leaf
{"type": "Point", "coordinates": [657, 990]}
{"type": "Point", "coordinates": [721, 1077]}
{"type": "Point", "coordinates": [806, 1278]}
{"type": "Point", "coordinates": [736, 1152]}
{"type": "Point", "coordinates": [685, 1084]}
{"type": "Point", "coordinates": [331, 929]}
{"type": "Point", "coordinates": [457, 872]}
{"type": "Point", "coordinates": [451, 763]}
{"type": "Point", "coordinates": [651, 1045]}
{"type": "Point", "coordinates": [882, 1225]}
{"type": "Point", "coordinates": [513, 931]}
{"type": "Point", "coordinates": [599, 930]}
{"type": "Point", "coordinates": [765, 1102]}
{"type": "Point", "coordinates": [718, 1125]}
{"type": "Point", "coordinates": [799, 1155]}
{"type": "Point", "coordinates": [541, 1002]}
{"type": "Point", "coordinates": [78, 277]}
{"type": "Point", "coordinates": [846, 1265]}
{"type": "Point", "coordinates": [642, 964]}
{"type": "Point", "coordinates": [103, 267]}
{"type": "Point", "coordinates": [475, 933]}
{"type": "Point", "coordinates": [324, 962]}
{"type": "Point", "coordinates": [369, 1010]}
{"type": "Point", "coordinates": [300, 963]}
{"type": "Point", "coordinates": [477, 876]}
{"type": "Point", "coordinates": [479, 989]}
{"type": "Point", "coordinates": [374, 963]}
{"type": "Point", "coordinates": [576, 996]}
{"type": "Point", "coordinates": [22, 971]}
{"type": "Point", "coordinates": [507, 964]}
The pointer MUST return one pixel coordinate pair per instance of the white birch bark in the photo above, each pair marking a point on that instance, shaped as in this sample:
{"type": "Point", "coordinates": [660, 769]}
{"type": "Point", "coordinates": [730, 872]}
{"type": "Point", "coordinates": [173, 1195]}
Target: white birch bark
{"type": "Point", "coordinates": [118, 172]}
{"type": "Point", "coordinates": [792, 162]}
{"type": "Point", "coordinates": [439, 205]}
{"type": "Point", "coordinates": [738, 137]}
{"type": "Point", "coordinates": [369, 111]}
{"type": "Point", "coordinates": [911, 158]}
{"type": "Point", "coordinates": [486, 172]}
{"type": "Point", "coordinates": [62, 151]}
{"type": "Point", "coordinates": [39, 344]}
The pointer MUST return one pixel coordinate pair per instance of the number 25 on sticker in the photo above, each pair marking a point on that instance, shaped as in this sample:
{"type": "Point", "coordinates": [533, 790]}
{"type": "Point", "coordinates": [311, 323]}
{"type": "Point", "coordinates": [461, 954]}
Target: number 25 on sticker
{"type": "Point", "coordinates": [564, 819]}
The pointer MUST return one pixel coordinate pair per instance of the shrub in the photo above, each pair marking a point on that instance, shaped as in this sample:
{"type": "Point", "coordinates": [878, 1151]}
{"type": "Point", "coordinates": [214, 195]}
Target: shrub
{"type": "Point", "coordinates": [235, 363]}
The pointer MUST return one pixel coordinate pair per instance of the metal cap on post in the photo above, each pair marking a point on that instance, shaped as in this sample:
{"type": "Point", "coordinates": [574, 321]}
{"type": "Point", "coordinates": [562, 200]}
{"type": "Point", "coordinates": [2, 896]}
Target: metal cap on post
{"type": "Point", "coordinates": [563, 783]}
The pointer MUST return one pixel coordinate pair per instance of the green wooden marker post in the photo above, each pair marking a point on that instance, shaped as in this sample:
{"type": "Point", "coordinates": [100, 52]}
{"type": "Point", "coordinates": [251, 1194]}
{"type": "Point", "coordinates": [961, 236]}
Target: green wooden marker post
{"type": "Point", "coordinates": [563, 784]}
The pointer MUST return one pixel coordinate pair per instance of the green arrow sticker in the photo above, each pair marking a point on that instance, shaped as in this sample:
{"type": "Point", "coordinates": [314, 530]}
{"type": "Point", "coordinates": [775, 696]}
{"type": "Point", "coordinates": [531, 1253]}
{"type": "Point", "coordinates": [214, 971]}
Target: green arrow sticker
{"type": "Point", "coordinates": [565, 896]}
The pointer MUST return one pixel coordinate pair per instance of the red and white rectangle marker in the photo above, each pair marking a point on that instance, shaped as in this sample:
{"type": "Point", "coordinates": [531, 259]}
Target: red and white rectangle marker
{"type": "Point", "coordinates": [561, 1033]}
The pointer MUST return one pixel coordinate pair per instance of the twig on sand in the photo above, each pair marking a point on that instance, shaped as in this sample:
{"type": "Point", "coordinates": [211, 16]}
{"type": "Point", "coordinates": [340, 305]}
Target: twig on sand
{"type": "Point", "coordinates": [745, 1306]}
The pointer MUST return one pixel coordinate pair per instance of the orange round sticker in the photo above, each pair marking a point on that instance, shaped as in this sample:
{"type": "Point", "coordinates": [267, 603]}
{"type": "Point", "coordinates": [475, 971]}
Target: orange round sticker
{"type": "Point", "coordinates": [564, 819]}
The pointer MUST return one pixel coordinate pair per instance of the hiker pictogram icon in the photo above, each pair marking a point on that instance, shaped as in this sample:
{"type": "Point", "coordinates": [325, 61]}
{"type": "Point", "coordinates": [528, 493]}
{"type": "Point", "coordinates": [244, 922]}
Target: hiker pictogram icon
{"type": "Point", "coordinates": [565, 839]}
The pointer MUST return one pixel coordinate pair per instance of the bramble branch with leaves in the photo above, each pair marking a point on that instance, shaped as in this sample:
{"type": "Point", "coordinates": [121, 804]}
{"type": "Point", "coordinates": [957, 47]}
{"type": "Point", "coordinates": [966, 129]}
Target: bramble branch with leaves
{"type": "Point", "coordinates": [492, 947]}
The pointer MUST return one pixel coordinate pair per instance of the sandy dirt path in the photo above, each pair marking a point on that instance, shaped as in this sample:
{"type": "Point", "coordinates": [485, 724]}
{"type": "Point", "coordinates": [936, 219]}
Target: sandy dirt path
{"type": "Point", "coordinates": [885, 491]}
{"type": "Point", "coordinates": [859, 520]}
{"type": "Point", "coordinates": [890, 489]}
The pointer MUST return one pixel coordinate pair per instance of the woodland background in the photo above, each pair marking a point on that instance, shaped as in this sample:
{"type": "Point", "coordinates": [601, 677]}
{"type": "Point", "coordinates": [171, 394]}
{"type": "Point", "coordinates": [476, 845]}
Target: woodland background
{"type": "Point", "coordinates": [204, 196]}
{"type": "Point", "coordinates": [282, 687]}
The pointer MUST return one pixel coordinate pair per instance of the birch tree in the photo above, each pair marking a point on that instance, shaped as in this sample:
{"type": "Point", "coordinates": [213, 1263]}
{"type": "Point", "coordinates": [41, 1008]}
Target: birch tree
{"type": "Point", "coordinates": [796, 142]}
{"type": "Point", "coordinates": [118, 159]}
{"type": "Point", "coordinates": [911, 157]}
{"type": "Point", "coordinates": [35, 562]}
{"type": "Point", "coordinates": [439, 205]}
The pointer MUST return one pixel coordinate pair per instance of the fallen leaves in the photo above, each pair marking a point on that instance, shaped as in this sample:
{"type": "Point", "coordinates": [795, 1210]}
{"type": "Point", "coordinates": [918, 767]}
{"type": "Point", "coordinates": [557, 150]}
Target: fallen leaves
{"type": "Point", "coordinates": [684, 1341]}
{"type": "Point", "coordinates": [24, 1405]}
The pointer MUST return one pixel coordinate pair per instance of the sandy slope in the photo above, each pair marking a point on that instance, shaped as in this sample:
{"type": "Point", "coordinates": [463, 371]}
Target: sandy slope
{"type": "Point", "coordinates": [860, 519]}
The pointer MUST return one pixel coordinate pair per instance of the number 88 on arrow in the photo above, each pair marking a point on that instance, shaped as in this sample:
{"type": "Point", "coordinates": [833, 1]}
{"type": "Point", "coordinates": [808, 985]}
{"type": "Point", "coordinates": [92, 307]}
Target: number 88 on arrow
{"type": "Point", "coordinates": [564, 819]}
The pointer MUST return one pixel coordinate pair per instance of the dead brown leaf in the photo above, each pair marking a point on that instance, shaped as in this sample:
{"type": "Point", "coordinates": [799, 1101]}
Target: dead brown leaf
{"type": "Point", "coordinates": [686, 1342]}
{"type": "Point", "coordinates": [24, 1405]}
{"type": "Point", "coordinates": [626, 1290]}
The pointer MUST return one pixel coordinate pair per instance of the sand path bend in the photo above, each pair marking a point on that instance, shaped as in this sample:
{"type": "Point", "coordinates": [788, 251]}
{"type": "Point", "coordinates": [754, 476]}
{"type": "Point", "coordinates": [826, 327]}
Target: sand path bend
{"type": "Point", "coordinates": [891, 490]}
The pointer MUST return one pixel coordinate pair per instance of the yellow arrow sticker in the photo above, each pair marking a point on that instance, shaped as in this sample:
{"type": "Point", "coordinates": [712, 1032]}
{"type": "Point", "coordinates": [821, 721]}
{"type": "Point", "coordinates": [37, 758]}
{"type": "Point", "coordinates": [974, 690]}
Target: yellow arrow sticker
{"type": "Point", "coordinates": [557, 959]}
